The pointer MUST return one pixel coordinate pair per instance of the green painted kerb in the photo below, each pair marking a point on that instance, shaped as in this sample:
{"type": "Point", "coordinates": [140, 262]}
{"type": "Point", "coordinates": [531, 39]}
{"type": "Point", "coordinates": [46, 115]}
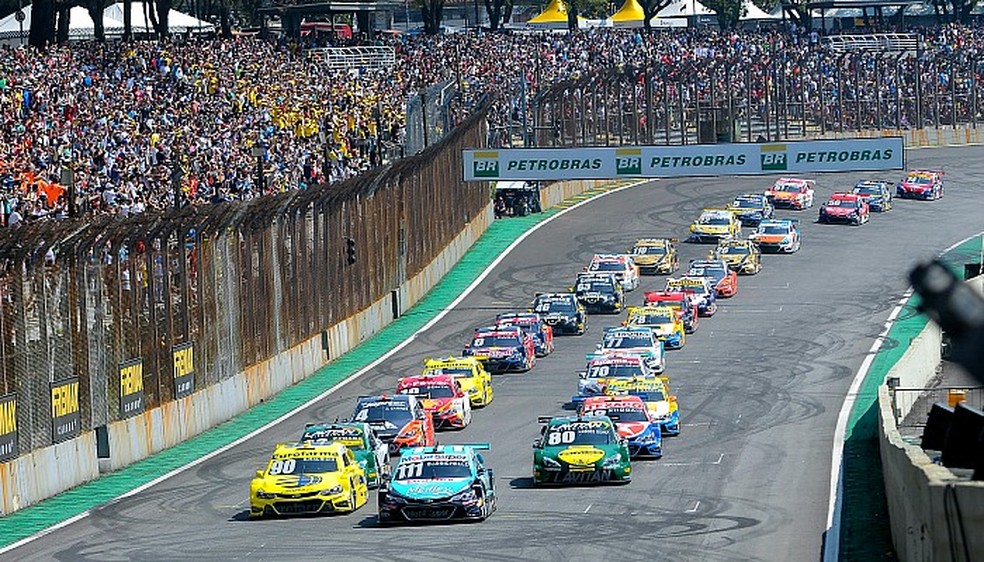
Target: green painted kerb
{"type": "Point", "coordinates": [24, 523]}
{"type": "Point", "coordinates": [865, 530]}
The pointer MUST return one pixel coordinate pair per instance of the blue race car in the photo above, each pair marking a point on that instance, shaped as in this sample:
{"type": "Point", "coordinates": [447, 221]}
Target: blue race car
{"type": "Point", "coordinates": [878, 194]}
{"type": "Point", "coordinates": [751, 208]}
{"type": "Point", "coordinates": [532, 324]}
{"type": "Point", "coordinates": [437, 484]}
{"type": "Point", "coordinates": [633, 421]}
{"type": "Point", "coordinates": [502, 349]}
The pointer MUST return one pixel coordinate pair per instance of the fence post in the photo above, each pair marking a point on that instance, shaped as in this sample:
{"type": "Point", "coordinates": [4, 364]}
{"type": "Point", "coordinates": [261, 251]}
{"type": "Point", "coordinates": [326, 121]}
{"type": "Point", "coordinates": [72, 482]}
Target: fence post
{"type": "Point", "coordinates": [953, 93]}
{"type": "Point", "coordinates": [878, 107]}
{"type": "Point", "coordinates": [650, 114]}
{"type": "Point", "coordinates": [666, 109]}
{"type": "Point", "coordinates": [683, 114]}
{"type": "Point", "coordinates": [898, 92]}
{"type": "Point", "coordinates": [973, 92]}
{"type": "Point", "coordinates": [748, 103]}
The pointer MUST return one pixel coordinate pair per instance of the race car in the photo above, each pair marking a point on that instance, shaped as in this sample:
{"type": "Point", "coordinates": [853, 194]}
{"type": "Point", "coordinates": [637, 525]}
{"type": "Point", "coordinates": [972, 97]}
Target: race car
{"type": "Point", "coordinates": [441, 396]}
{"type": "Point", "coordinates": [633, 340]}
{"type": "Point", "coordinates": [751, 208]}
{"type": "Point", "coordinates": [704, 295]}
{"type": "Point", "coordinates": [878, 194]}
{"type": "Point", "coordinates": [742, 256]}
{"type": "Point", "coordinates": [621, 266]}
{"type": "Point", "coordinates": [683, 303]}
{"type": "Point", "coordinates": [921, 184]}
{"type": "Point", "coordinates": [399, 420]}
{"type": "Point", "coordinates": [600, 370]}
{"type": "Point", "coordinates": [532, 324]}
{"type": "Point", "coordinates": [724, 281]}
{"type": "Point", "coordinates": [579, 450]}
{"type": "Point", "coordinates": [844, 208]}
{"type": "Point", "coordinates": [370, 452]}
{"type": "Point", "coordinates": [655, 392]}
{"type": "Point", "coordinates": [599, 293]}
{"type": "Point", "coordinates": [305, 478]}
{"type": "Point", "coordinates": [502, 349]}
{"type": "Point", "coordinates": [791, 193]}
{"type": "Point", "coordinates": [777, 235]}
{"type": "Point", "coordinates": [475, 381]}
{"type": "Point", "coordinates": [633, 421]}
{"type": "Point", "coordinates": [715, 224]}
{"type": "Point", "coordinates": [438, 484]}
{"type": "Point", "coordinates": [663, 320]}
{"type": "Point", "coordinates": [656, 256]}
{"type": "Point", "coordinates": [563, 312]}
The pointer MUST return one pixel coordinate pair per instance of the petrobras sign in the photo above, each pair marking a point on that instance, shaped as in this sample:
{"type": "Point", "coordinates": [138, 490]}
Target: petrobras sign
{"type": "Point", "coordinates": [842, 155]}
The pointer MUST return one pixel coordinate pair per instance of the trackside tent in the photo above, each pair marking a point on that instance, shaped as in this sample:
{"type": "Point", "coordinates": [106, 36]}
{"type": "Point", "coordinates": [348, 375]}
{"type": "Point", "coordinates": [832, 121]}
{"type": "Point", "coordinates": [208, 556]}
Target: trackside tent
{"type": "Point", "coordinates": [555, 15]}
{"type": "Point", "coordinates": [630, 14]}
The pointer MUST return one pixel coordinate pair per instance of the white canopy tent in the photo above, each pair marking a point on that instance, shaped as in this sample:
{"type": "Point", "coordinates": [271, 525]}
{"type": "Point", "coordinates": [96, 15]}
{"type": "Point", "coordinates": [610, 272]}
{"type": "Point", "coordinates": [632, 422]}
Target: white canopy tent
{"type": "Point", "coordinates": [80, 26]}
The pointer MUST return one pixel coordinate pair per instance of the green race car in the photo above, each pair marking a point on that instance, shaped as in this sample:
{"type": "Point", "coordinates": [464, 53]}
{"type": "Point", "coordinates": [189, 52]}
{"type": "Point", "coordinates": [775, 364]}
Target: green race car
{"type": "Point", "coordinates": [371, 453]}
{"type": "Point", "coordinates": [576, 450]}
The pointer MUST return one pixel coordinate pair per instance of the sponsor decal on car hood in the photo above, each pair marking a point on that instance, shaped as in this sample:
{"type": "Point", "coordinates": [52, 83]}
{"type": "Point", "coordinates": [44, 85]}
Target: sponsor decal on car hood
{"type": "Point", "coordinates": [581, 455]}
{"type": "Point", "coordinates": [431, 489]}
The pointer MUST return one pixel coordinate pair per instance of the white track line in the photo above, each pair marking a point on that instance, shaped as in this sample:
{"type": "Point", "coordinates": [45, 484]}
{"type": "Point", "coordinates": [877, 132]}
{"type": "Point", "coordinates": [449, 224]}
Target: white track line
{"type": "Point", "coordinates": [831, 543]}
{"type": "Point", "coordinates": [468, 290]}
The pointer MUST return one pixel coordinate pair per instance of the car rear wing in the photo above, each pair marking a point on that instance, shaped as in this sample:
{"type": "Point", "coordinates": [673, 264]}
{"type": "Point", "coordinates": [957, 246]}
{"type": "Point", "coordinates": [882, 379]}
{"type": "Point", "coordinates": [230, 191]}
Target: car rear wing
{"type": "Point", "coordinates": [544, 419]}
{"type": "Point", "coordinates": [478, 446]}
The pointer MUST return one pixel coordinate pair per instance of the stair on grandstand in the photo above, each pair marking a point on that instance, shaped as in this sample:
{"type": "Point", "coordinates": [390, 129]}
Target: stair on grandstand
{"type": "Point", "coordinates": [897, 43]}
{"type": "Point", "coordinates": [356, 58]}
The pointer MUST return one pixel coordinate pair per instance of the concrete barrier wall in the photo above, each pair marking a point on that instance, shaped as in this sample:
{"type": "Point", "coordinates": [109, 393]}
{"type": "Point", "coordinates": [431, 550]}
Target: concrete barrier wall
{"type": "Point", "coordinates": [919, 137]}
{"type": "Point", "coordinates": [934, 516]}
{"type": "Point", "coordinates": [45, 472]}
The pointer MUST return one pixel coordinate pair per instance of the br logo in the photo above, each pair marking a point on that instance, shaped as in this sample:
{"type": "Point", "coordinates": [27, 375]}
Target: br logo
{"type": "Point", "coordinates": [628, 161]}
{"type": "Point", "coordinates": [486, 165]}
{"type": "Point", "coordinates": [773, 157]}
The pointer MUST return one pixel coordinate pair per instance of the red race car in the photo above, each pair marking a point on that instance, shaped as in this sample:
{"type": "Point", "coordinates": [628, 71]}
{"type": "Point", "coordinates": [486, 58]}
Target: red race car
{"type": "Point", "coordinates": [441, 396]}
{"type": "Point", "coordinates": [679, 301]}
{"type": "Point", "coordinates": [791, 193]}
{"type": "Point", "coordinates": [848, 208]}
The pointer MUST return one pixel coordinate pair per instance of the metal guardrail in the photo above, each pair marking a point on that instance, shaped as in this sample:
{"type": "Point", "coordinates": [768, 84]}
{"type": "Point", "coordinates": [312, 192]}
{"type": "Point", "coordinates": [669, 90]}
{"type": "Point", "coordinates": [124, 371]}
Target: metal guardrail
{"type": "Point", "coordinates": [911, 405]}
{"type": "Point", "coordinates": [877, 42]}
{"type": "Point", "coordinates": [355, 58]}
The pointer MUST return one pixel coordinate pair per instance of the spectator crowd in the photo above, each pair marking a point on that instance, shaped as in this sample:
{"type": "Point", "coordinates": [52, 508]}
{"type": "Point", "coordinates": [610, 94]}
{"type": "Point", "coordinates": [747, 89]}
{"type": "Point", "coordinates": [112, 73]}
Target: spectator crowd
{"type": "Point", "coordinates": [141, 124]}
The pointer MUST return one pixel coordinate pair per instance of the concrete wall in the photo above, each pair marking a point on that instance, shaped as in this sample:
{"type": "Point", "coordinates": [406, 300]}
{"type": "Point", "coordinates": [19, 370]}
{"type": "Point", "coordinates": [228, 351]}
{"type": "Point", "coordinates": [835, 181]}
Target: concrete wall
{"type": "Point", "coordinates": [919, 137]}
{"type": "Point", "coordinates": [934, 515]}
{"type": "Point", "coordinates": [45, 472]}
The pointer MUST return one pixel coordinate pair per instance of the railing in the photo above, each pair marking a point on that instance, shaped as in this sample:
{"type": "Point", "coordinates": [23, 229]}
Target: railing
{"type": "Point", "coordinates": [896, 43]}
{"type": "Point", "coordinates": [95, 310]}
{"type": "Point", "coordinates": [356, 58]}
{"type": "Point", "coordinates": [912, 405]}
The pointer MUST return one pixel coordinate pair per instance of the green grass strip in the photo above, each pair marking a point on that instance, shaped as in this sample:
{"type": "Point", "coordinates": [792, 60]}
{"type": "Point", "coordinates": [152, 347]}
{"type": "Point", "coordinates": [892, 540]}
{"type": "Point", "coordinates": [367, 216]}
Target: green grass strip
{"type": "Point", "coordinates": [865, 530]}
{"type": "Point", "coordinates": [501, 233]}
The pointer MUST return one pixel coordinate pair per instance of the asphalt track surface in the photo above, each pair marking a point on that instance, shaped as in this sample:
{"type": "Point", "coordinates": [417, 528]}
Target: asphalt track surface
{"type": "Point", "coordinates": [760, 386]}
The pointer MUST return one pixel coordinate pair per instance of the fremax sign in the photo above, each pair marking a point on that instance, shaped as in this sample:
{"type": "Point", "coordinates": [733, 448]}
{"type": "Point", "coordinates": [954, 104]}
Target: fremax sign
{"type": "Point", "coordinates": [851, 155]}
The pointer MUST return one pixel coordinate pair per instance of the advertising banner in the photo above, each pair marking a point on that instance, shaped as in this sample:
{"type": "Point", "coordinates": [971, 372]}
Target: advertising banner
{"type": "Point", "coordinates": [8, 427]}
{"type": "Point", "coordinates": [799, 157]}
{"type": "Point", "coordinates": [66, 421]}
{"type": "Point", "coordinates": [183, 355]}
{"type": "Point", "coordinates": [131, 388]}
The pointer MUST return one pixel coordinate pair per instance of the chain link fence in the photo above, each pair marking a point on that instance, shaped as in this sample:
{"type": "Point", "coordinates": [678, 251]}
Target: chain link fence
{"type": "Point", "coordinates": [163, 304]}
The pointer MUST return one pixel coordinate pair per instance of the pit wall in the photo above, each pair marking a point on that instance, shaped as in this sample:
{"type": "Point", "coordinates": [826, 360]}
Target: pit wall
{"type": "Point", "coordinates": [45, 472]}
{"type": "Point", "coordinates": [919, 137]}
{"type": "Point", "coordinates": [934, 516]}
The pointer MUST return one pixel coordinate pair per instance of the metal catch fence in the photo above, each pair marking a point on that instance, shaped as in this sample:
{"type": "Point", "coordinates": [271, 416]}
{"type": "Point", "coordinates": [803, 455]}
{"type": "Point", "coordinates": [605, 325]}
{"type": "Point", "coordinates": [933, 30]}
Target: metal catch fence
{"type": "Point", "coordinates": [356, 58]}
{"type": "Point", "coordinates": [912, 405]}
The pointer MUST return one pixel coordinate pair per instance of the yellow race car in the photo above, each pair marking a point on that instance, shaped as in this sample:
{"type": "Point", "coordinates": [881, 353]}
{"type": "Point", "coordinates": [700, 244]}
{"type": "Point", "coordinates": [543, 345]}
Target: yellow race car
{"type": "Point", "coordinates": [742, 256]}
{"type": "Point", "coordinates": [655, 392]}
{"type": "Point", "coordinates": [663, 320]}
{"type": "Point", "coordinates": [715, 224]}
{"type": "Point", "coordinates": [308, 477]}
{"type": "Point", "coordinates": [475, 381]}
{"type": "Point", "coordinates": [656, 256]}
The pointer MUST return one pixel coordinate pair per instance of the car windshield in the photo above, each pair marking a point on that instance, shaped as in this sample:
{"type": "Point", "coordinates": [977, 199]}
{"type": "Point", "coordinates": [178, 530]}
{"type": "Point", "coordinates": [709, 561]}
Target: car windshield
{"type": "Point", "coordinates": [351, 437]}
{"type": "Point", "coordinates": [432, 469]}
{"type": "Point", "coordinates": [545, 306]}
{"type": "Point", "coordinates": [495, 341]}
{"type": "Point", "coordinates": [787, 187]}
{"type": "Point", "coordinates": [594, 432]}
{"type": "Point", "coordinates": [840, 203]}
{"type": "Point", "coordinates": [732, 250]}
{"type": "Point", "coordinates": [433, 390]}
{"type": "Point", "coordinates": [649, 250]}
{"type": "Point", "coordinates": [868, 190]}
{"type": "Point", "coordinates": [624, 414]}
{"type": "Point", "coordinates": [594, 287]}
{"type": "Point", "coordinates": [614, 371]}
{"type": "Point", "coordinates": [649, 395]}
{"type": "Point", "coordinates": [622, 340]}
{"type": "Point", "coordinates": [919, 180]}
{"type": "Point", "coordinates": [774, 230]}
{"type": "Point", "coordinates": [453, 371]}
{"type": "Point", "coordinates": [396, 412]}
{"type": "Point", "coordinates": [304, 465]}
{"type": "Point", "coordinates": [650, 319]}
{"type": "Point", "coordinates": [714, 220]}
{"type": "Point", "coordinates": [746, 204]}
{"type": "Point", "coordinates": [707, 271]}
{"type": "Point", "coordinates": [606, 266]}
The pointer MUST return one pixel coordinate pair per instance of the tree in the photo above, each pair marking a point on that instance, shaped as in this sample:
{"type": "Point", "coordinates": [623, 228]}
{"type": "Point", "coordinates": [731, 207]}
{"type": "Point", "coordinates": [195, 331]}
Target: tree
{"type": "Point", "coordinates": [432, 12]}
{"type": "Point", "coordinates": [95, 9]}
{"type": "Point", "coordinates": [127, 20]}
{"type": "Point", "coordinates": [499, 11]}
{"type": "Point", "coordinates": [42, 30]}
{"type": "Point", "coordinates": [798, 12]}
{"type": "Point", "coordinates": [728, 11]}
{"type": "Point", "coordinates": [650, 8]}
{"type": "Point", "coordinates": [157, 11]}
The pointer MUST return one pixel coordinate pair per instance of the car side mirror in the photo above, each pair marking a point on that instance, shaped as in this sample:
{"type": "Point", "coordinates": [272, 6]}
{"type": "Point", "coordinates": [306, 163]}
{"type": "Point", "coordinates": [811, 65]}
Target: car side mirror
{"type": "Point", "coordinates": [582, 374]}
{"type": "Point", "coordinates": [467, 346]}
{"type": "Point", "coordinates": [597, 346]}
{"type": "Point", "coordinates": [259, 474]}
{"type": "Point", "coordinates": [538, 443]}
